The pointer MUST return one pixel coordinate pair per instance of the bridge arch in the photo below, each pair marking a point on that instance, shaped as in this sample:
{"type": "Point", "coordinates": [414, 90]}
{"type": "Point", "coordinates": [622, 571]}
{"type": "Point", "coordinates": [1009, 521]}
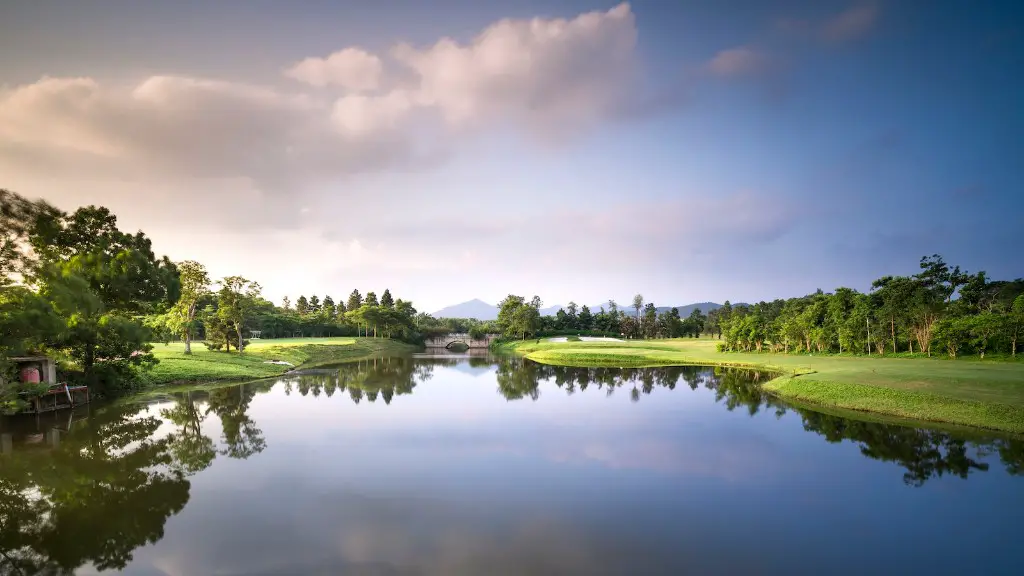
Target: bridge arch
{"type": "Point", "coordinates": [448, 340]}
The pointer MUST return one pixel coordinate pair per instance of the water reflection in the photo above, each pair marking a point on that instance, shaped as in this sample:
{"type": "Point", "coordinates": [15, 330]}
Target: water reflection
{"type": "Point", "coordinates": [109, 466]}
{"type": "Point", "coordinates": [95, 489]}
{"type": "Point", "coordinates": [923, 453]}
{"type": "Point", "coordinates": [382, 378]}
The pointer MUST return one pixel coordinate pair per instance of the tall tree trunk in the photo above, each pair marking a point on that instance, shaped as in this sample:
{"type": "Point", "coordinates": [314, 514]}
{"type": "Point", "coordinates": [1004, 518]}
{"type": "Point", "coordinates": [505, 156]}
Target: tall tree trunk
{"type": "Point", "coordinates": [892, 326]}
{"type": "Point", "coordinates": [238, 330]}
{"type": "Point", "coordinates": [188, 328]}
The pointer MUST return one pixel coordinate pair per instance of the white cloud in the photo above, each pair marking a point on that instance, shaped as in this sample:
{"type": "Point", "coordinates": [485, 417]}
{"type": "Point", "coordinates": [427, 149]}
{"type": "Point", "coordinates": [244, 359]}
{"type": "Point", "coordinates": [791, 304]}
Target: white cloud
{"type": "Point", "coordinates": [551, 74]}
{"type": "Point", "coordinates": [739, 61]}
{"type": "Point", "coordinates": [351, 68]}
{"type": "Point", "coordinates": [547, 76]}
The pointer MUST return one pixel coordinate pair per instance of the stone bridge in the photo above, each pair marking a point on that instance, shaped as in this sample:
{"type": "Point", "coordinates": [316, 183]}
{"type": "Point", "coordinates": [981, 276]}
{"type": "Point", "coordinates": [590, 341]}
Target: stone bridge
{"type": "Point", "coordinates": [448, 340]}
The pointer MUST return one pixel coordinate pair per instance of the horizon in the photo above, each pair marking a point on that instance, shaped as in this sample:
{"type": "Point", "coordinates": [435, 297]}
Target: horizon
{"type": "Point", "coordinates": [693, 153]}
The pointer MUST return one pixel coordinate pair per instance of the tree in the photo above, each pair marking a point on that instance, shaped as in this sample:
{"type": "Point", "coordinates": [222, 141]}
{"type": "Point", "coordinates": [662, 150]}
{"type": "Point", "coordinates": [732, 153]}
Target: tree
{"type": "Point", "coordinates": [286, 304]}
{"type": "Point", "coordinates": [649, 325]}
{"type": "Point", "coordinates": [1015, 323]}
{"type": "Point", "coordinates": [371, 299]}
{"type": "Point", "coordinates": [302, 306]}
{"type": "Point", "coordinates": [120, 268]}
{"type": "Point", "coordinates": [983, 328]}
{"type": "Point", "coordinates": [896, 295]}
{"type": "Point", "coordinates": [195, 284]}
{"type": "Point", "coordinates": [355, 300]}
{"type": "Point", "coordinates": [20, 219]}
{"type": "Point", "coordinates": [385, 300]}
{"type": "Point", "coordinates": [328, 308]}
{"type": "Point", "coordinates": [517, 318]}
{"type": "Point", "coordinates": [585, 321]}
{"type": "Point", "coordinates": [235, 301]}
{"type": "Point", "coordinates": [314, 304]}
{"type": "Point", "coordinates": [638, 303]}
{"type": "Point", "coordinates": [572, 311]}
{"type": "Point", "coordinates": [694, 324]}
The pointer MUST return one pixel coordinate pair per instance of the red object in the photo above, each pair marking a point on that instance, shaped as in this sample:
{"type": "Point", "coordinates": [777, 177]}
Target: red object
{"type": "Point", "coordinates": [30, 375]}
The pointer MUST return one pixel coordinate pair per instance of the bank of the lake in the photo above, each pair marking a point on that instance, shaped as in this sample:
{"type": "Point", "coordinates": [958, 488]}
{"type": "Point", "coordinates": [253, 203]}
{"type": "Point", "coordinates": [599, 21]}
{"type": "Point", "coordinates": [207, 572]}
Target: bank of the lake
{"type": "Point", "coordinates": [984, 394]}
{"type": "Point", "coordinates": [206, 366]}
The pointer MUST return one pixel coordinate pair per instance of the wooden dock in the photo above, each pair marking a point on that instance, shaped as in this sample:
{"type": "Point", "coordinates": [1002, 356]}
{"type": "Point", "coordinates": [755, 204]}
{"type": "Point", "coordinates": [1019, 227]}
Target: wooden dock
{"type": "Point", "coordinates": [58, 397]}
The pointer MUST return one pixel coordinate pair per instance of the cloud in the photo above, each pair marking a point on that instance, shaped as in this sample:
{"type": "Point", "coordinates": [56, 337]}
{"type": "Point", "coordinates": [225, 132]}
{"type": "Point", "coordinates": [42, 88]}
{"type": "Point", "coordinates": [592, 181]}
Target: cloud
{"type": "Point", "coordinates": [549, 77]}
{"type": "Point", "coordinates": [739, 61]}
{"type": "Point", "coordinates": [169, 126]}
{"type": "Point", "coordinates": [351, 68]}
{"type": "Point", "coordinates": [851, 23]}
{"type": "Point", "coordinates": [549, 74]}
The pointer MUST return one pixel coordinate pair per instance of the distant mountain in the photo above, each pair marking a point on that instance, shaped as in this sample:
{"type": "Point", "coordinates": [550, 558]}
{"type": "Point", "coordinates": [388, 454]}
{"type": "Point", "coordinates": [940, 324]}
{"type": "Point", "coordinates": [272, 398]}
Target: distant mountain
{"type": "Point", "coordinates": [475, 308]}
{"type": "Point", "coordinates": [481, 310]}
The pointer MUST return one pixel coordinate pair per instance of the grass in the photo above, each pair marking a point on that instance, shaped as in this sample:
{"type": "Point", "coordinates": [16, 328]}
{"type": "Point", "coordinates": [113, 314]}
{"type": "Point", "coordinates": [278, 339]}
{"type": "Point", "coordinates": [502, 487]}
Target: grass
{"type": "Point", "coordinates": [205, 366]}
{"type": "Point", "coordinates": [985, 394]}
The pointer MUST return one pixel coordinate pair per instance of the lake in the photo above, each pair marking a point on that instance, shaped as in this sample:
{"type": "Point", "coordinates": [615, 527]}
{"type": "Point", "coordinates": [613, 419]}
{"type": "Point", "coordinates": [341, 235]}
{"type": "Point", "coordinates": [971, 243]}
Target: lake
{"type": "Point", "coordinates": [482, 465]}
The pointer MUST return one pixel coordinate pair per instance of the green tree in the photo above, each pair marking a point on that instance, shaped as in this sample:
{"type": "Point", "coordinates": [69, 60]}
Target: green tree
{"type": "Point", "coordinates": [195, 284]}
{"type": "Point", "coordinates": [649, 325]}
{"type": "Point", "coordinates": [385, 300]}
{"type": "Point", "coordinates": [371, 299]}
{"type": "Point", "coordinates": [585, 321]}
{"type": "Point", "coordinates": [517, 318]}
{"type": "Point", "coordinates": [355, 300]}
{"type": "Point", "coordinates": [1015, 323]}
{"type": "Point", "coordinates": [984, 327]}
{"type": "Point", "coordinates": [302, 306]}
{"type": "Point", "coordinates": [235, 302]}
{"type": "Point", "coordinates": [638, 303]}
{"type": "Point", "coordinates": [120, 268]}
{"type": "Point", "coordinates": [286, 304]}
{"type": "Point", "coordinates": [329, 309]}
{"type": "Point", "coordinates": [314, 304]}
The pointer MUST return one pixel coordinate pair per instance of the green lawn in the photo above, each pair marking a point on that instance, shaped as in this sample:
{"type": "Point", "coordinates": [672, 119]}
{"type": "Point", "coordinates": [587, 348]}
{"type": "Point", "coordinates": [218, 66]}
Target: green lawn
{"type": "Point", "coordinates": [208, 366]}
{"type": "Point", "coordinates": [980, 393]}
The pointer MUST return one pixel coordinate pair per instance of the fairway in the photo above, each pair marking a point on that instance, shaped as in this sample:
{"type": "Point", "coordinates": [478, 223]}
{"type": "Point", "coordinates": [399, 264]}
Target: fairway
{"type": "Point", "coordinates": [208, 366]}
{"type": "Point", "coordinates": [973, 392]}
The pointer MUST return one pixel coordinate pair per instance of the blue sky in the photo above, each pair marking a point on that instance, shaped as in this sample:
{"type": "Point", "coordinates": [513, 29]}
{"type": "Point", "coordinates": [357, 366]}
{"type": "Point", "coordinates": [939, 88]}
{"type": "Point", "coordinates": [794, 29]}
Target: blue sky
{"type": "Point", "coordinates": [690, 151]}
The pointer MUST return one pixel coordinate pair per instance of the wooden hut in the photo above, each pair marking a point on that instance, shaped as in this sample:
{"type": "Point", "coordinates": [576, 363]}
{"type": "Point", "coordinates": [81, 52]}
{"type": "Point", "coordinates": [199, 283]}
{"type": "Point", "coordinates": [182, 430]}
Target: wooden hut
{"type": "Point", "coordinates": [44, 369]}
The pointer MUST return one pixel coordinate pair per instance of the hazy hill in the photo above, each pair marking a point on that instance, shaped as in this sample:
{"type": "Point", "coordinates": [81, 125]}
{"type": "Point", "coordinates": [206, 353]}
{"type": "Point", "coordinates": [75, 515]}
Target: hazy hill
{"type": "Point", "coordinates": [481, 310]}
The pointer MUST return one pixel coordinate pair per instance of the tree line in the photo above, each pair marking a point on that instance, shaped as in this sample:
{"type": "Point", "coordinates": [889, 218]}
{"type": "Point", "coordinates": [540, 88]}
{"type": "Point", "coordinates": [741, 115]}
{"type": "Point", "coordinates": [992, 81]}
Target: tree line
{"type": "Point", "coordinates": [225, 317]}
{"type": "Point", "coordinates": [939, 310]}
{"type": "Point", "coordinates": [76, 287]}
{"type": "Point", "coordinates": [519, 318]}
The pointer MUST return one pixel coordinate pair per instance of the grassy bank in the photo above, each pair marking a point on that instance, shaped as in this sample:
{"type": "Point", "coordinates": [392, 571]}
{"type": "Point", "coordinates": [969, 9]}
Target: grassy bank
{"type": "Point", "coordinates": [207, 366]}
{"type": "Point", "coordinates": [986, 394]}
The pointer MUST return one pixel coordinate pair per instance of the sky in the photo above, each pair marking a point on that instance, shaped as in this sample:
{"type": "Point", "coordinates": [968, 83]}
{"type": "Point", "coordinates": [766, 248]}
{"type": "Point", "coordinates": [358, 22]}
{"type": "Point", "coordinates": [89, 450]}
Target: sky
{"type": "Point", "coordinates": [578, 150]}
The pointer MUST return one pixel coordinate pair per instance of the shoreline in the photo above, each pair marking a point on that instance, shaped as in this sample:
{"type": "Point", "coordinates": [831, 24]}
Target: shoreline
{"type": "Point", "coordinates": [205, 367]}
{"type": "Point", "coordinates": [917, 398]}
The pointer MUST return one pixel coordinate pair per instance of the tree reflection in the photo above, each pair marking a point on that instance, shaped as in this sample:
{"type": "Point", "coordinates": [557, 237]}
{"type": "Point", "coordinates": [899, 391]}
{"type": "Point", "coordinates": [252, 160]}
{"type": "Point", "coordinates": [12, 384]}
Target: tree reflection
{"type": "Point", "coordinates": [373, 379]}
{"type": "Point", "coordinates": [242, 438]}
{"type": "Point", "coordinates": [923, 453]}
{"type": "Point", "coordinates": [99, 490]}
{"type": "Point", "coordinates": [193, 451]}
{"type": "Point", "coordinates": [100, 493]}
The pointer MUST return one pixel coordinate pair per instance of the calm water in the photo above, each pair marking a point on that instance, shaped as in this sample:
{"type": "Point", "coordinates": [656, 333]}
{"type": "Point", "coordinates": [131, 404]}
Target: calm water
{"type": "Point", "coordinates": [484, 466]}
